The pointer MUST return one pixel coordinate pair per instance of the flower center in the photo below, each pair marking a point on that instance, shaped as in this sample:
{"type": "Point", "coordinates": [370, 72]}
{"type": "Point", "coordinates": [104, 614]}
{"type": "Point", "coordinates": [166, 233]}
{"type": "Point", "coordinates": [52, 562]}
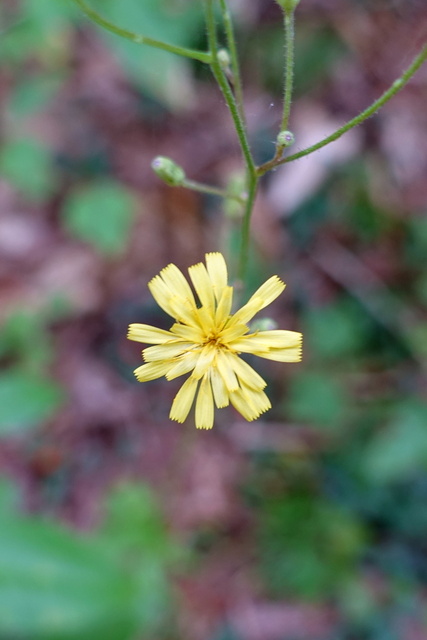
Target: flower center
{"type": "Point", "coordinates": [214, 341]}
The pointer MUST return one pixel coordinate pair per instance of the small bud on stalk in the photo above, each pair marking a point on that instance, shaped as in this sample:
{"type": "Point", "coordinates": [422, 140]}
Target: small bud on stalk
{"type": "Point", "coordinates": [285, 139]}
{"type": "Point", "coordinates": [224, 59]}
{"type": "Point", "coordinates": [168, 171]}
{"type": "Point", "coordinates": [235, 188]}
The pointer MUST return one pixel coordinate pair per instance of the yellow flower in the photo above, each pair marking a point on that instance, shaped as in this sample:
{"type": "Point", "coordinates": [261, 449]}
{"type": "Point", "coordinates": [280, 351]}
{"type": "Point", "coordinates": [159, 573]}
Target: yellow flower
{"type": "Point", "coordinates": [207, 340]}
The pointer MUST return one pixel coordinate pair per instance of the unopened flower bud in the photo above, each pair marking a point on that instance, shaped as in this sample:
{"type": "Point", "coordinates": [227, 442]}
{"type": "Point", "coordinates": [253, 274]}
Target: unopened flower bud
{"type": "Point", "coordinates": [285, 139]}
{"type": "Point", "coordinates": [224, 59]}
{"type": "Point", "coordinates": [168, 171]}
{"type": "Point", "coordinates": [263, 324]}
{"type": "Point", "coordinates": [236, 187]}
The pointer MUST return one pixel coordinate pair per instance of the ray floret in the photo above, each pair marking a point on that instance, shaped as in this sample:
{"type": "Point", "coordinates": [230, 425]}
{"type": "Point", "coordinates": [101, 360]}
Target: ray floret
{"type": "Point", "coordinates": [207, 340]}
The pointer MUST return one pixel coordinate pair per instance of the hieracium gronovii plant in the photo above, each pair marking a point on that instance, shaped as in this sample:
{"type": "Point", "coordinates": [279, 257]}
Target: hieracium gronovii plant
{"type": "Point", "coordinates": [208, 338]}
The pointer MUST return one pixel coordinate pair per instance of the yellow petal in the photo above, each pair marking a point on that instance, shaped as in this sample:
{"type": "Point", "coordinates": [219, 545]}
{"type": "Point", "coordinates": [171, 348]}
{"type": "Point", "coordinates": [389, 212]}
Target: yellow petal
{"type": "Point", "coordinates": [262, 297]}
{"type": "Point", "coordinates": [202, 284]}
{"type": "Point", "coordinates": [166, 351]}
{"type": "Point", "coordinates": [240, 404]}
{"type": "Point", "coordinates": [152, 370]}
{"type": "Point", "coordinates": [250, 403]}
{"type": "Point", "coordinates": [184, 312]}
{"type": "Point", "coordinates": [148, 334]}
{"type": "Point", "coordinates": [206, 358]}
{"type": "Point", "coordinates": [161, 294]}
{"type": "Point", "coordinates": [246, 313]}
{"type": "Point", "coordinates": [192, 334]}
{"type": "Point", "coordinates": [224, 307]}
{"type": "Point", "coordinates": [269, 291]}
{"type": "Point", "coordinates": [219, 389]}
{"type": "Point", "coordinates": [226, 371]}
{"type": "Point", "coordinates": [183, 400]}
{"type": "Point", "coordinates": [183, 364]}
{"type": "Point", "coordinates": [290, 354]}
{"type": "Point", "coordinates": [206, 320]}
{"type": "Point", "coordinates": [217, 270]}
{"type": "Point", "coordinates": [278, 338]}
{"type": "Point", "coordinates": [177, 284]}
{"type": "Point", "coordinates": [233, 333]}
{"type": "Point", "coordinates": [246, 374]}
{"type": "Point", "coordinates": [205, 405]}
{"type": "Point", "coordinates": [267, 341]}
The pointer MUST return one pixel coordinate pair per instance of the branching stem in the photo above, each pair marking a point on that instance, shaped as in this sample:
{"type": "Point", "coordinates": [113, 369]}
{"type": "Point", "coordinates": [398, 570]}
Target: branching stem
{"type": "Point", "coordinates": [232, 48]}
{"type": "Point", "coordinates": [251, 175]}
{"type": "Point", "coordinates": [140, 39]}
{"type": "Point", "coordinates": [234, 101]}
{"type": "Point", "coordinates": [397, 85]}
{"type": "Point", "coordinates": [213, 191]}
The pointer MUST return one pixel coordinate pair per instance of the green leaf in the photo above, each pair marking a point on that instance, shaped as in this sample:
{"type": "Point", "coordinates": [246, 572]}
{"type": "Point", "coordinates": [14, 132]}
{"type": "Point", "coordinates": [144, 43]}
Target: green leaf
{"type": "Point", "coordinates": [400, 449]}
{"type": "Point", "coordinates": [164, 75]}
{"type": "Point", "coordinates": [318, 399]}
{"type": "Point", "coordinates": [37, 30]}
{"type": "Point", "coordinates": [112, 584]}
{"type": "Point", "coordinates": [27, 165]}
{"type": "Point", "coordinates": [26, 400]}
{"type": "Point", "coordinates": [335, 331]}
{"type": "Point", "coordinates": [101, 214]}
{"type": "Point", "coordinates": [67, 588]}
{"type": "Point", "coordinates": [134, 529]}
{"type": "Point", "coordinates": [32, 95]}
{"type": "Point", "coordinates": [24, 337]}
{"type": "Point", "coordinates": [417, 240]}
{"type": "Point", "coordinates": [307, 545]}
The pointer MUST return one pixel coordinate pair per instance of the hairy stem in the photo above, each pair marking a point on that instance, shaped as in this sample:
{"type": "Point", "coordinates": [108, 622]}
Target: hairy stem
{"type": "Point", "coordinates": [397, 85]}
{"type": "Point", "coordinates": [251, 175]}
{"type": "Point", "coordinates": [225, 87]}
{"type": "Point", "coordinates": [201, 56]}
{"type": "Point", "coordinates": [289, 67]}
{"type": "Point", "coordinates": [232, 48]}
{"type": "Point", "coordinates": [252, 186]}
{"type": "Point", "coordinates": [213, 191]}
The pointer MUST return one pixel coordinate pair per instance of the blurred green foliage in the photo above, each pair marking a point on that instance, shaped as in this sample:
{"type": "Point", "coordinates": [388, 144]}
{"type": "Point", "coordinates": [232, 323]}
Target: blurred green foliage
{"type": "Point", "coordinates": [56, 584]}
{"type": "Point", "coordinates": [101, 214]}
{"type": "Point", "coordinates": [157, 71]}
{"type": "Point", "coordinates": [28, 394]}
{"type": "Point", "coordinates": [26, 400]}
{"type": "Point", "coordinates": [308, 547]}
{"type": "Point", "coordinates": [27, 165]}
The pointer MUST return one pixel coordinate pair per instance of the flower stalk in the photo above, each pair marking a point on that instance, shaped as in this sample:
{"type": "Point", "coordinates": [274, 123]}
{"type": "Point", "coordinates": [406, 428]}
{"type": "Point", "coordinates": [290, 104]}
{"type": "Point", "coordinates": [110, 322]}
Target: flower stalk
{"type": "Point", "coordinates": [232, 91]}
{"type": "Point", "coordinates": [138, 38]}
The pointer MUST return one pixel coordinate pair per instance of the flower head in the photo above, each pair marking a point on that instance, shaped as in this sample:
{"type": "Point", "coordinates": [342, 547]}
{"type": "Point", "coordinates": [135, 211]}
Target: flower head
{"type": "Point", "coordinates": [207, 340]}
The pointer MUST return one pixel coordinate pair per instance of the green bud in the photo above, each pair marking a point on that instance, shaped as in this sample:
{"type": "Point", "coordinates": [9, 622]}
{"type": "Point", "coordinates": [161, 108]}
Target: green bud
{"type": "Point", "coordinates": [263, 324]}
{"type": "Point", "coordinates": [168, 171]}
{"type": "Point", "coordinates": [235, 187]}
{"type": "Point", "coordinates": [224, 59]}
{"type": "Point", "coordinates": [285, 139]}
{"type": "Point", "coordinates": [288, 5]}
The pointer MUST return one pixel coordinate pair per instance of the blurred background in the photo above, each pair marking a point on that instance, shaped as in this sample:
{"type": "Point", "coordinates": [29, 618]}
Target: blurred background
{"type": "Point", "coordinates": [115, 523]}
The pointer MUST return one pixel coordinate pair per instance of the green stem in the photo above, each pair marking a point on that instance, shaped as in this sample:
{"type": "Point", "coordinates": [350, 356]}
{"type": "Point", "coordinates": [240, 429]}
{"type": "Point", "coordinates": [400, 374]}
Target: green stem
{"type": "Point", "coordinates": [214, 191]}
{"type": "Point", "coordinates": [232, 48]}
{"type": "Point", "coordinates": [367, 113]}
{"type": "Point", "coordinates": [289, 67]}
{"type": "Point", "coordinates": [246, 224]}
{"type": "Point", "coordinates": [140, 39]}
{"type": "Point", "coordinates": [225, 87]}
{"type": "Point", "coordinates": [251, 174]}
